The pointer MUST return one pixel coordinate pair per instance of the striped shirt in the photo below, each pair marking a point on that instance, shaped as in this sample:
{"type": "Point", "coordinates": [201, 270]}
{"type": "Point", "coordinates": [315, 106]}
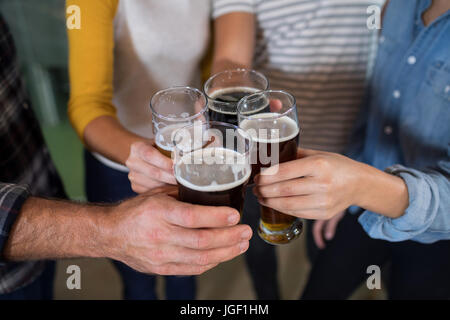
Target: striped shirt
{"type": "Point", "coordinates": [319, 50]}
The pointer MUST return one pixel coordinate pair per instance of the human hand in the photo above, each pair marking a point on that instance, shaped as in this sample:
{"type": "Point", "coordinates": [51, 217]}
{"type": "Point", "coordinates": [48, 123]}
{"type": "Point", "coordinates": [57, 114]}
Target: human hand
{"type": "Point", "coordinates": [325, 229]}
{"type": "Point", "coordinates": [148, 167]}
{"type": "Point", "coordinates": [318, 185]}
{"type": "Point", "coordinates": [155, 233]}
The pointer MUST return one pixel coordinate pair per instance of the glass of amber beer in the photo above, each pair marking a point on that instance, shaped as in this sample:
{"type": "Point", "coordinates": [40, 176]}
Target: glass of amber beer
{"type": "Point", "coordinates": [270, 118]}
{"type": "Point", "coordinates": [212, 164]}
{"type": "Point", "coordinates": [172, 109]}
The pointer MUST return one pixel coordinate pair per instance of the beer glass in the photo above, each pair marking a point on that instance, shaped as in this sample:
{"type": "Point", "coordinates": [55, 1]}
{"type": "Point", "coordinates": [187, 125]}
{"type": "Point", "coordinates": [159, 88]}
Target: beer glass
{"type": "Point", "coordinates": [225, 89]}
{"type": "Point", "coordinates": [270, 118]}
{"type": "Point", "coordinates": [212, 164]}
{"type": "Point", "coordinates": [174, 108]}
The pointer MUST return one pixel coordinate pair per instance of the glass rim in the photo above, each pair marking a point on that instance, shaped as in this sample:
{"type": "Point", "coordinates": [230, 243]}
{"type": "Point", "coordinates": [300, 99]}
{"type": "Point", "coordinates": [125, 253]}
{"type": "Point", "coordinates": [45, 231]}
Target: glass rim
{"type": "Point", "coordinates": [220, 123]}
{"type": "Point", "coordinates": [203, 110]}
{"type": "Point", "coordinates": [275, 116]}
{"type": "Point", "coordinates": [231, 71]}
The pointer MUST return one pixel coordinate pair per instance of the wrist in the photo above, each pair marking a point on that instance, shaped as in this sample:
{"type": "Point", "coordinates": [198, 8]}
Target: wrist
{"type": "Point", "coordinates": [380, 192]}
{"type": "Point", "coordinates": [99, 229]}
{"type": "Point", "coordinates": [109, 220]}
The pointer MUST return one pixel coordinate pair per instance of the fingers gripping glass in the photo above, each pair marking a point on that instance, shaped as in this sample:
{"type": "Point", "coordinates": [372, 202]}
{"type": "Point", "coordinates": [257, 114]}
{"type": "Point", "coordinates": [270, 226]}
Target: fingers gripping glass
{"type": "Point", "coordinates": [270, 118]}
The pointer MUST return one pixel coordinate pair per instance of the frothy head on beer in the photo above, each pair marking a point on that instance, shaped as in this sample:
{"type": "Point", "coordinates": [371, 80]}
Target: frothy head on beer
{"type": "Point", "coordinates": [212, 170]}
{"type": "Point", "coordinates": [172, 109]}
{"type": "Point", "coordinates": [212, 164]}
{"type": "Point", "coordinates": [270, 118]}
{"type": "Point", "coordinates": [211, 134]}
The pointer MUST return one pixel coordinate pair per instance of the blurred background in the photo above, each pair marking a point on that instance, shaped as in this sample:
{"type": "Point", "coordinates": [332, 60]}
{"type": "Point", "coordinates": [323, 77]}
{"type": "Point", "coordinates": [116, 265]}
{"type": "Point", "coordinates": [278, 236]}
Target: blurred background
{"type": "Point", "coordinates": [39, 31]}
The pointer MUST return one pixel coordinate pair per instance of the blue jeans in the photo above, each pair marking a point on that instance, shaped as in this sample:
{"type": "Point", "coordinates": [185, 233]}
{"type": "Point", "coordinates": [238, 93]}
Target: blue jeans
{"type": "Point", "coordinates": [40, 289]}
{"type": "Point", "coordinates": [104, 184]}
{"type": "Point", "coordinates": [260, 257]}
{"type": "Point", "coordinates": [413, 270]}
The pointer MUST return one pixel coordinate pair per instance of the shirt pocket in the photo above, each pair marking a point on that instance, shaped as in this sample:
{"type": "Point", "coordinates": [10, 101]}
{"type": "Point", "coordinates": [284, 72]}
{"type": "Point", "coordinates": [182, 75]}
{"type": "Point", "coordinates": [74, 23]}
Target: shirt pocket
{"type": "Point", "coordinates": [431, 119]}
{"type": "Point", "coordinates": [438, 78]}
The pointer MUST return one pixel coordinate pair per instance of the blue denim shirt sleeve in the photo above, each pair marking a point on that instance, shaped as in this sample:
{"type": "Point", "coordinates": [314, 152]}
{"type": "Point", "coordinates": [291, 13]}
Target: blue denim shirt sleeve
{"type": "Point", "coordinates": [406, 128]}
{"type": "Point", "coordinates": [427, 217]}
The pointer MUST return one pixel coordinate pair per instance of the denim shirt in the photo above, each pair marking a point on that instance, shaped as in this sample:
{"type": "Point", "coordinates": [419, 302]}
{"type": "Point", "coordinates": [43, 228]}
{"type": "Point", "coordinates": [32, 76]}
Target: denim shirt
{"type": "Point", "coordinates": [404, 128]}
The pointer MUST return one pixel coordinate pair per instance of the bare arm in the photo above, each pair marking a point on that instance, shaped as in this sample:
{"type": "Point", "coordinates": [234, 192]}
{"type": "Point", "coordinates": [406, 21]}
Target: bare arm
{"type": "Point", "coordinates": [234, 41]}
{"type": "Point", "coordinates": [48, 229]}
{"type": "Point", "coordinates": [168, 237]}
{"type": "Point", "coordinates": [116, 144]}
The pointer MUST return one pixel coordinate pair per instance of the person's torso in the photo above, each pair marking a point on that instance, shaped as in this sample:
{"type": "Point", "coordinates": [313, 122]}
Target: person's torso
{"type": "Point", "coordinates": [319, 51]}
{"type": "Point", "coordinates": [409, 116]}
{"type": "Point", "coordinates": [158, 44]}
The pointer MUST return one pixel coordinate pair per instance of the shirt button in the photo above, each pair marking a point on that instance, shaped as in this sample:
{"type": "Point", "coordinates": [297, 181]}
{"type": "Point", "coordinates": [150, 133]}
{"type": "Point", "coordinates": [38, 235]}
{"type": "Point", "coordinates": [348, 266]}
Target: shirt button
{"type": "Point", "coordinates": [412, 60]}
{"type": "Point", "coordinates": [388, 130]}
{"type": "Point", "coordinates": [25, 106]}
{"type": "Point", "coordinates": [382, 39]}
{"type": "Point", "coordinates": [396, 94]}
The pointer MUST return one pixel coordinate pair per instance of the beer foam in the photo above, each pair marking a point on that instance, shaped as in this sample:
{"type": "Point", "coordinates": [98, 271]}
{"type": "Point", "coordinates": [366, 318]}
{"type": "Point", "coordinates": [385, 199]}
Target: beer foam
{"type": "Point", "coordinates": [224, 91]}
{"type": "Point", "coordinates": [212, 170]}
{"type": "Point", "coordinates": [164, 136]}
{"type": "Point", "coordinates": [286, 126]}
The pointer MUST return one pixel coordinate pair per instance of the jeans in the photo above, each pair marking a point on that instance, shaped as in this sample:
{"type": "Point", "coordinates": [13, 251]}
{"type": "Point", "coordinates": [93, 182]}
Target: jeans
{"type": "Point", "coordinates": [40, 289]}
{"type": "Point", "coordinates": [416, 270]}
{"type": "Point", "coordinates": [260, 257]}
{"type": "Point", "coordinates": [107, 185]}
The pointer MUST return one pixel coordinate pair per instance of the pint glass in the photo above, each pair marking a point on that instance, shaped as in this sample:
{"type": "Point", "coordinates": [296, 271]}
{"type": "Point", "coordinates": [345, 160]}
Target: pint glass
{"type": "Point", "coordinates": [172, 109]}
{"type": "Point", "coordinates": [270, 118]}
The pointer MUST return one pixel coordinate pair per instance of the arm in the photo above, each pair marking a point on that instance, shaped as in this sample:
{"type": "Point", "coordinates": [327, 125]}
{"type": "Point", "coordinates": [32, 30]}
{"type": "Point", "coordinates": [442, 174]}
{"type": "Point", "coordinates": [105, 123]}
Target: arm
{"type": "Point", "coordinates": [319, 185]}
{"type": "Point", "coordinates": [427, 216]}
{"type": "Point", "coordinates": [57, 229]}
{"type": "Point", "coordinates": [402, 203]}
{"type": "Point", "coordinates": [91, 112]}
{"type": "Point", "coordinates": [169, 237]}
{"type": "Point", "coordinates": [91, 59]}
{"type": "Point", "coordinates": [234, 41]}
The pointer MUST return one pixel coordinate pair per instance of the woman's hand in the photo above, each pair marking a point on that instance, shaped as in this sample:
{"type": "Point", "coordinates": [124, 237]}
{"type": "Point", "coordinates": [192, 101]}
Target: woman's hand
{"type": "Point", "coordinates": [325, 229]}
{"type": "Point", "coordinates": [318, 185]}
{"type": "Point", "coordinates": [148, 167]}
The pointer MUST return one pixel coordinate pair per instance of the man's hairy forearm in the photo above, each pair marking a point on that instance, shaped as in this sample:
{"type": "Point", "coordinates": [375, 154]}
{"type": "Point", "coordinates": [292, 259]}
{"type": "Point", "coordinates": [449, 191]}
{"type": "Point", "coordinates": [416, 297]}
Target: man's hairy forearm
{"type": "Point", "coordinates": [47, 229]}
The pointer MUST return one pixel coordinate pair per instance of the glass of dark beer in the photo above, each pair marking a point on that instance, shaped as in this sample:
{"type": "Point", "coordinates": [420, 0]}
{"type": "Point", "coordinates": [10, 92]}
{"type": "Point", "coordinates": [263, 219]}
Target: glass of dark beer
{"type": "Point", "coordinates": [172, 109]}
{"type": "Point", "coordinates": [225, 89]}
{"type": "Point", "coordinates": [270, 118]}
{"type": "Point", "coordinates": [212, 164]}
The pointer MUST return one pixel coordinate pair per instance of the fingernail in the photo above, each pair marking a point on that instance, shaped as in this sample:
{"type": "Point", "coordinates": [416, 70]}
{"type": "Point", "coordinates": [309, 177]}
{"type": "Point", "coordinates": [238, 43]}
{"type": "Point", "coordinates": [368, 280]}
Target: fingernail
{"type": "Point", "coordinates": [234, 218]}
{"type": "Point", "coordinates": [328, 236]}
{"type": "Point", "coordinates": [246, 234]}
{"type": "Point", "coordinates": [243, 246]}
